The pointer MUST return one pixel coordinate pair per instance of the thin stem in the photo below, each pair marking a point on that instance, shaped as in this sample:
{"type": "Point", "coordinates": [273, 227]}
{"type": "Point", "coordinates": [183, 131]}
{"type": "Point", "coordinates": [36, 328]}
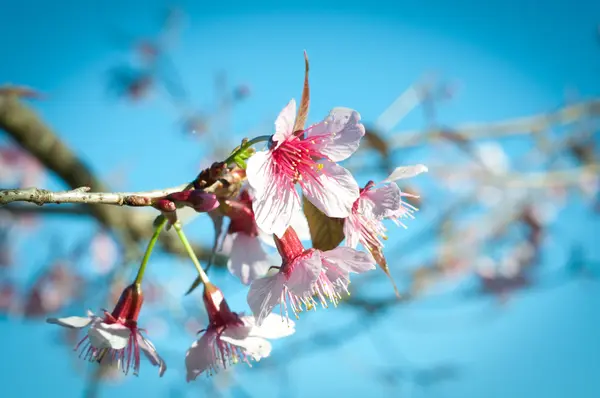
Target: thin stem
{"type": "Point", "coordinates": [190, 251]}
{"type": "Point", "coordinates": [142, 269]}
{"type": "Point", "coordinates": [245, 146]}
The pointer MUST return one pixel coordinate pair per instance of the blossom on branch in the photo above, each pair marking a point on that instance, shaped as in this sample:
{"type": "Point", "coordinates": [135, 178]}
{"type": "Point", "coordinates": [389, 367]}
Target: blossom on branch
{"type": "Point", "coordinates": [308, 158]}
{"type": "Point", "coordinates": [230, 337]}
{"type": "Point", "coordinates": [116, 336]}
{"type": "Point", "coordinates": [304, 275]}
{"type": "Point", "coordinates": [375, 204]}
{"type": "Point", "coordinates": [244, 241]}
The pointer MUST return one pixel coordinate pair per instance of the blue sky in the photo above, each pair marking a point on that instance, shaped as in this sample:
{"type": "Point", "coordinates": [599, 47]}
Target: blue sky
{"type": "Point", "coordinates": [510, 59]}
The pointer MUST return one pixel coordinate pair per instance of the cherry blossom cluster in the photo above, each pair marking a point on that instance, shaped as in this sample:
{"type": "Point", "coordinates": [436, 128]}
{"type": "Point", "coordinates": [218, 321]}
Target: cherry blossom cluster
{"type": "Point", "coordinates": [266, 212]}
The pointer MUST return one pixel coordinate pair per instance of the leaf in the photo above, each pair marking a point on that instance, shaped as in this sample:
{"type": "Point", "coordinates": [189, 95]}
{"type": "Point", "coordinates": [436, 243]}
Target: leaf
{"type": "Point", "coordinates": [326, 233]}
{"type": "Point", "coordinates": [305, 101]}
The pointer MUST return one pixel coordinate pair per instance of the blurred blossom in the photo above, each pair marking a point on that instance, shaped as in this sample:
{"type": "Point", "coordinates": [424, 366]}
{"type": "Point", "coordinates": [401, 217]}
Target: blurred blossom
{"type": "Point", "coordinates": [52, 291]}
{"type": "Point", "coordinates": [104, 253]}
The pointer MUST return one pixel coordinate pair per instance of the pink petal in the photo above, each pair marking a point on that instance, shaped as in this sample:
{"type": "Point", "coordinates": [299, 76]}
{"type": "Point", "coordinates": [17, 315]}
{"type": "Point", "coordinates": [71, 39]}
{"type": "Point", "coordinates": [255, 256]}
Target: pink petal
{"type": "Point", "coordinates": [380, 202]}
{"type": "Point", "coordinates": [334, 192]}
{"type": "Point", "coordinates": [344, 130]}
{"type": "Point", "coordinates": [200, 356]}
{"type": "Point", "coordinates": [406, 172]}
{"type": "Point", "coordinates": [248, 261]}
{"type": "Point", "coordinates": [148, 349]}
{"type": "Point", "coordinates": [275, 203]}
{"type": "Point", "coordinates": [284, 125]}
{"type": "Point", "coordinates": [349, 259]}
{"type": "Point", "coordinates": [352, 231]}
{"type": "Point", "coordinates": [264, 295]}
{"type": "Point", "coordinates": [306, 270]}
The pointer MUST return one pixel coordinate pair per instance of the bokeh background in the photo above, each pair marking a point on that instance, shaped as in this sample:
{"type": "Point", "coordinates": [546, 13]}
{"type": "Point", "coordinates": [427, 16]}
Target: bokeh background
{"type": "Point", "coordinates": [500, 266]}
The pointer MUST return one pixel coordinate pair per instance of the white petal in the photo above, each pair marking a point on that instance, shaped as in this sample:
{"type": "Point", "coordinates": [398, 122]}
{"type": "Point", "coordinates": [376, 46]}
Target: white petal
{"type": "Point", "coordinates": [336, 191]}
{"type": "Point", "coordinates": [258, 171]}
{"type": "Point", "coordinates": [406, 172]}
{"type": "Point", "coordinates": [200, 356]}
{"type": "Point", "coordinates": [73, 322]}
{"type": "Point", "coordinates": [273, 211]}
{"type": "Point", "coordinates": [248, 261]}
{"type": "Point", "coordinates": [264, 294]}
{"type": "Point", "coordinates": [380, 202]}
{"type": "Point", "coordinates": [298, 222]}
{"type": "Point", "coordinates": [350, 259]}
{"type": "Point", "coordinates": [150, 351]}
{"type": "Point", "coordinates": [284, 125]}
{"type": "Point", "coordinates": [227, 244]}
{"type": "Point", "coordinates": [256, 347]}
{"type": "Point", "coordinates": [352, 231]}
{"type": "Point", "coordinates": [274, 326]}
{"type": "Point", "coordinates": [345, 131]}
{"type": "Point", "coordinates": [300, 225]}
{"type": "Point", "coordinates": [113, 336]}
{"type": "Point", "coordinates": [306, 270]}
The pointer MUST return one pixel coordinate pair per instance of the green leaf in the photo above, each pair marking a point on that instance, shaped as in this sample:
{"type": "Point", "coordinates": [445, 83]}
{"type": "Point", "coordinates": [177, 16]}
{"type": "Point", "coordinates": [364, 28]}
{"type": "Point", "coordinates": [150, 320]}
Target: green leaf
{"type": "Point", "coordinates": [305, 101]}
{"type": "Point", "coordinates": [326, 232]}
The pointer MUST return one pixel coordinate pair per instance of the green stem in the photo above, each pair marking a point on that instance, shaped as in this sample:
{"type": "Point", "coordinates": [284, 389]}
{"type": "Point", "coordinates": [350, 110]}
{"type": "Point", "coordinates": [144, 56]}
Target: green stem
{"type": "Point", "coordinates": [190, 252]}
{"type": "Point", "coordinates": [245, 146]}
{"type": "Point", "coordinates": [142, 269]}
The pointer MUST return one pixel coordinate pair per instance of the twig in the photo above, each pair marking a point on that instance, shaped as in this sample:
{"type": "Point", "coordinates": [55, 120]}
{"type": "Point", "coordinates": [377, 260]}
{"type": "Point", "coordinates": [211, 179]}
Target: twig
{"type": "Point", "coordinates": [522, 125]}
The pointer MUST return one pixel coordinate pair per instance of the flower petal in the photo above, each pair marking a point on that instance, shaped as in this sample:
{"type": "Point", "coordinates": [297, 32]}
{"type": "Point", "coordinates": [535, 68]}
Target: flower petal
{"type": "Point", "coordinates": [148, 348]}
{"type": "Point", "coordinates": [284, 125]}
{"type": "Point", "coordinates": [276, 199]}
{"type": "Point", "coordinates": [200, 356]}
{"type": "Point", "coordinates": [334, 192]}
{"type": "Point", "coordinates": [248, 261]}
{"type": "Point", "coordinates": [349, 259]}
{"type": "Point", "coordinates": [352, 231]}
{"type": "Point", "coordinates": [344, 129]}
{"type": "Point", "coordinates": [258, 171]}
{"type": "Point", "coordinates": [298, 222]}
{"type": "Point", "coordinates": [264, 294]}
{"type": "Point", "coordinates": [406, 172]}
{"type": "Point", "coordinates": [114, 336]}
{"type": "Point", "coordinates": [274, 326]}
{"type": "Point", "coordinates": [256, 347]}
{"type": "Point", "coordinates": [305, 271]}
{"type": "Point", "coordinates": [380, 202]}
{"type": "Point", "coordinates": [73, 322]}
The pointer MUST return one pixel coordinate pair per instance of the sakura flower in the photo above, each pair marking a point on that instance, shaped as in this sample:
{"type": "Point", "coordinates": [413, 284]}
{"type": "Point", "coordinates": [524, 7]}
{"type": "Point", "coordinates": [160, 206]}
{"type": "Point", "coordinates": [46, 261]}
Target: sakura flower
{"type": "Point", "coordinates": [244, 241]}
{"type": "Point", "coordinates": [304, 275]}
{"type": "Point", "coordinates": [231, 337]}
{"type": "Point", "coordinates": [307, 158]}
{"type": "Point", "coordinates": [365, 223]}
{"type": "Point", "coordinates": [116, 336]}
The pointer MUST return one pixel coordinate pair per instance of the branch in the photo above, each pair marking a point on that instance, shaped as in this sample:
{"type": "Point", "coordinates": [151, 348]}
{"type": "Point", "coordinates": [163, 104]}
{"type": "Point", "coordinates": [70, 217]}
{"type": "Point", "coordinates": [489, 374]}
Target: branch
{"type": "Point", "coordinates": [522, 125]}
{"type": "Point", "coordinates": [82, 195]}
{"type": "Point", "coordinates": [32, 134]}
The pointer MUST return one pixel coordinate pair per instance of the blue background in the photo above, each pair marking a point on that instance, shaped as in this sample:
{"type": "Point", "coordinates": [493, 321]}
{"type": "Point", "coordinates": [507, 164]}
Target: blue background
{"type": "Point", "coordinates": [511, 59]}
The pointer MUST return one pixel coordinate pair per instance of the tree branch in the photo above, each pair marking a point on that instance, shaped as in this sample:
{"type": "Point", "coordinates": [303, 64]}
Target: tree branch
{"type": "Point", "coordinates": [522, 125]}
{"type": "Point", "coordinates": [22, 124]}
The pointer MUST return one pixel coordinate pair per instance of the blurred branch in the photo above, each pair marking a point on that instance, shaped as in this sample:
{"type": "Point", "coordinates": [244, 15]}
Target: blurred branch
{"type": "Point", "coordinates": [22, 124]}
{"type": "Point", "coordinates": [522, 125]}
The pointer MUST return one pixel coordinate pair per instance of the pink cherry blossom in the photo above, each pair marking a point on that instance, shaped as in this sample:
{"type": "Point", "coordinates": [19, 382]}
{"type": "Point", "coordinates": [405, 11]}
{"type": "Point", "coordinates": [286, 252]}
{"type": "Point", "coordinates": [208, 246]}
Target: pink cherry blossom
{"type": "Point", "coordinates": [307, 158]}
{"type": "Point", "coordinates": [244, 242]}
{"type": "Point", "coordinates": [365, 223]}
{"type": "Point", "coordinates": [230, 337]}
{"type": "Point", "coordinates": [304, 275]}
{"type": "Point", "coordinates": [116, 336]}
